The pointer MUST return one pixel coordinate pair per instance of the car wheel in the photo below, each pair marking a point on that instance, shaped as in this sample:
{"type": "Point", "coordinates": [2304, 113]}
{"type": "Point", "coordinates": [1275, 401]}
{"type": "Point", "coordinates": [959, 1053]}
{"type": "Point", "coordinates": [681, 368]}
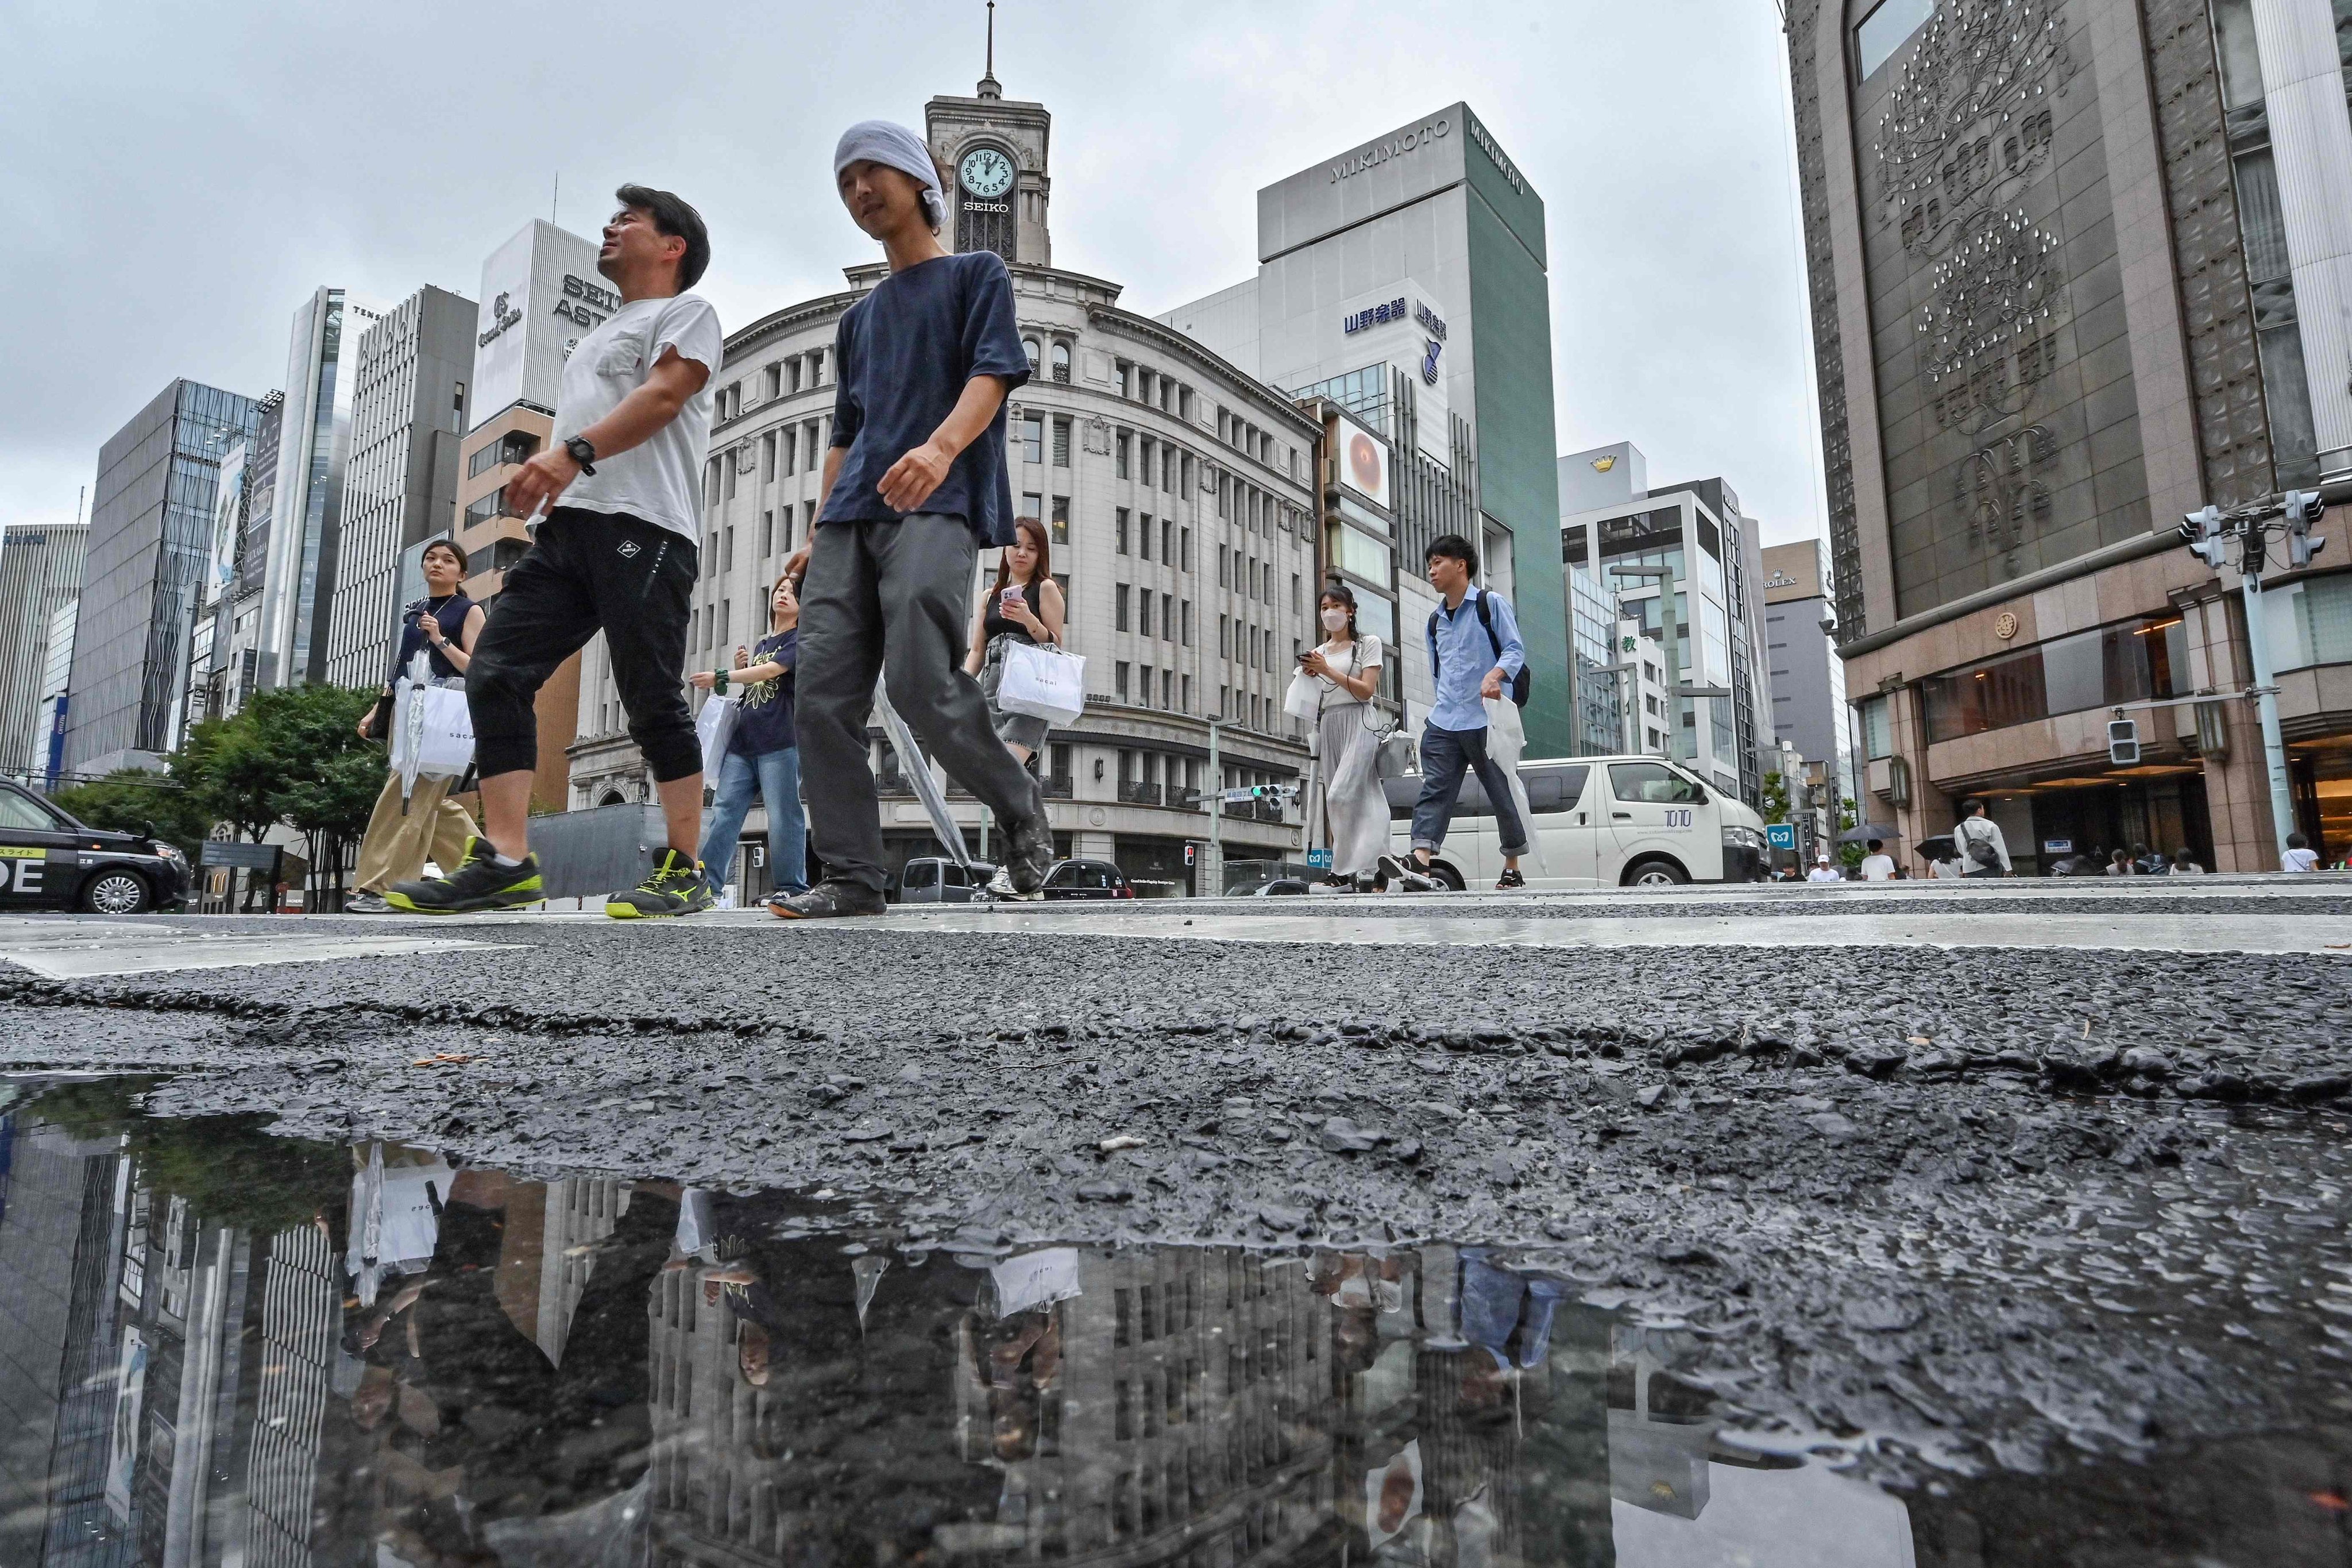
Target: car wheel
{"type": "Point", "coordinates": [117, 893]}
{"type": "Point", "coordinates": [1656, 874]}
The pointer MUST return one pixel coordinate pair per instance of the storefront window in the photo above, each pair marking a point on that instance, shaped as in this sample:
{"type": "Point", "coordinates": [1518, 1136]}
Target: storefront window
{"type": "Point", "coordinates": [1877, 728]}
{"type": "Point", "coordinates": [2121, 663]}
{"type": "Point", "coordinates": [2323, 624]}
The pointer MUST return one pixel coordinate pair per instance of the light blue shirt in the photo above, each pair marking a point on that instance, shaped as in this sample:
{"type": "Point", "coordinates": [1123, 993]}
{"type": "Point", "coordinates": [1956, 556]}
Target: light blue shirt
{"type": "Point", "coordinates": [1461, 654]}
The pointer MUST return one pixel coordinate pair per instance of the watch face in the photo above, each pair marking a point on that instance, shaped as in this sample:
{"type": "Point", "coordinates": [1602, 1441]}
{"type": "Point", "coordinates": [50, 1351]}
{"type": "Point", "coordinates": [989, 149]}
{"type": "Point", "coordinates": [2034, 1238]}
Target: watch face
{"type": "Point", "coordinates": [986, 173]}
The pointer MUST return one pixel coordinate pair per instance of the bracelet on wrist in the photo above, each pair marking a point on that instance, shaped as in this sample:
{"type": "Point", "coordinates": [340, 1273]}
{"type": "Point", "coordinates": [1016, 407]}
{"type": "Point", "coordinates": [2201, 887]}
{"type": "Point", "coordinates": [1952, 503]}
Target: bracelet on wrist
{"type": "Point", "coordinates": [718, 678]}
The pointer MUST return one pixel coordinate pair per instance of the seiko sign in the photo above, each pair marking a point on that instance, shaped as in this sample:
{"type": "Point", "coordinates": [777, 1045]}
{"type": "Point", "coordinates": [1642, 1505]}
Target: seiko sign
{"type": "Point", "coordinates": [579, 294]}
{"type": "Point", "coordinates": [1396, 146]}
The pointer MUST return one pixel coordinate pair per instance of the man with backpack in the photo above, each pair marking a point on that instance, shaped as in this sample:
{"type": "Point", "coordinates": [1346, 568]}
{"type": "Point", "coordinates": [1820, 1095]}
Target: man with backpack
{"type": "Point", "coordinates": [1978, 837]}
{"type": "Point", "coordinates": [1475, 653]}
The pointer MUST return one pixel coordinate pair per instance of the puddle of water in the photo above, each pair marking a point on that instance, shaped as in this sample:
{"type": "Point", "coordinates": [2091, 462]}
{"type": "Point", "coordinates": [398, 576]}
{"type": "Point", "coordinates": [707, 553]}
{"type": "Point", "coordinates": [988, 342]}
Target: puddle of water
{"type": "Point", "coordinates": [229, 1347]}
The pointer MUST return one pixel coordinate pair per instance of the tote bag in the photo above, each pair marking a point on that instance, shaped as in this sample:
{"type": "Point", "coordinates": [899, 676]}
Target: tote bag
{"type": "Point", "coordinates": [432, 731]}
{"type": "Point", "coordinates": [714, 727]}
{"type": "Point", "coordinates": [1044, 683]}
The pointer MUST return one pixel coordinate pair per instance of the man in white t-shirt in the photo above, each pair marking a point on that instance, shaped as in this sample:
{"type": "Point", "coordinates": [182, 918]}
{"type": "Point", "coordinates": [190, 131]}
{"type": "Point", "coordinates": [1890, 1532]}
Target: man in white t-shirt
{"type": "Point", "coordinates": [2299, 855]}
{"type": "Point", "coordinates": [1877, 865]}
{"type": "Point", "coordinates": [615, 551]}
{"type": "Point", "coordinates": [1823, 872]}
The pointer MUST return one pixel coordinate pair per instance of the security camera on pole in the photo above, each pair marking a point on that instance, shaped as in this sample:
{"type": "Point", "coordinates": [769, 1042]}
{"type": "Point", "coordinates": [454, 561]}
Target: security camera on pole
{"type": "Point", "coordinates": [2237, 544]}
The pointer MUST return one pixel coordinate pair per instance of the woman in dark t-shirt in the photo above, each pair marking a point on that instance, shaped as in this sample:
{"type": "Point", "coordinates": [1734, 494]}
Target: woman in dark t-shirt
{"type": "Point", "coordinates": [761, 755]}
{"type": "Point", "coordinates": [1024, 608]}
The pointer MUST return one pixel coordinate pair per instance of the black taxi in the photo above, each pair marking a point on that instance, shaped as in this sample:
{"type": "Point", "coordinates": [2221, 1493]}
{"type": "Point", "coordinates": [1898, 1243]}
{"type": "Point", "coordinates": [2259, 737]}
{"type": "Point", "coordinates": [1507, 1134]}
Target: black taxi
{"type": "Point", "coordinates": [50, 861]}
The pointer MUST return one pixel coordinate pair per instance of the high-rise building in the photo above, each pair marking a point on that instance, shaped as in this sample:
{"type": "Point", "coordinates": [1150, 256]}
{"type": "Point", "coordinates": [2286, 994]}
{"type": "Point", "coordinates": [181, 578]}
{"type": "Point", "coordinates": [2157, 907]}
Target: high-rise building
{"type": "Point", "coordinates": [1802, 659]}
{"type": "Point", "coordinates": [540, 294]}
{"type": "Point", "coordinates": [400, 485]}
{"type": "Point", "coordinates": [236, 670]}
{"type": "Point", "coordinates": [1406, 278]}
{"type": "Point", "coordinates": [307, 510]}
{"type": "Point", "coordinates": [48, 756]}
{"type": "Point", "coordinates": [40, 573]}
{"type": "Point", "coordinates": [2076, 273]}
{"type": "Point", "coordinates": [1177, 495]}
{"type": "Point", "coordinates": [1627, 535]}
{"type": "Point", "coordinates": [150, 532]}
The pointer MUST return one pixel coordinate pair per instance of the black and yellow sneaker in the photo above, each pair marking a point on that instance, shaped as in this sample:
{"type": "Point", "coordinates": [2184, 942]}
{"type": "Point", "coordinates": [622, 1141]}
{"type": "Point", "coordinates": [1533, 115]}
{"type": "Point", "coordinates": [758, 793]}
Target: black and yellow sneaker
{"type": "Point", "coordinates": [479, 882]}
{"type": "Point", "coordinates": [676, 887]}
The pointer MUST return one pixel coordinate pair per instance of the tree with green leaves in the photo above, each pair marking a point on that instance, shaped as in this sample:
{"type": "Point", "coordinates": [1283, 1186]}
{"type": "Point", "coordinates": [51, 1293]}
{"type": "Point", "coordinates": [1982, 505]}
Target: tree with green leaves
{"type": "Point", "coordinates": [330, 785]}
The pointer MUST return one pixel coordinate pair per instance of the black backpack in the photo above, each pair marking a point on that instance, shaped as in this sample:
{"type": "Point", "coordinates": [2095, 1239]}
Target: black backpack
{"type": "Point", "coordinates": [1521, 683]}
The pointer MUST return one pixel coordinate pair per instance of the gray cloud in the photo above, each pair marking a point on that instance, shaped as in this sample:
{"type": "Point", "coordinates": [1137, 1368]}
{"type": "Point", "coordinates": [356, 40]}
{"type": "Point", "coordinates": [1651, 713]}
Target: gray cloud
{"type": "Point", "coordinates": [186, 176]}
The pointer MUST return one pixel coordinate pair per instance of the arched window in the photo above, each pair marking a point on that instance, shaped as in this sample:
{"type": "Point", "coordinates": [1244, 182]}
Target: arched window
{"type": "Point", "coordinates": [1061, 363]}
{"type": "Point", "coordinates": [1030, 346]}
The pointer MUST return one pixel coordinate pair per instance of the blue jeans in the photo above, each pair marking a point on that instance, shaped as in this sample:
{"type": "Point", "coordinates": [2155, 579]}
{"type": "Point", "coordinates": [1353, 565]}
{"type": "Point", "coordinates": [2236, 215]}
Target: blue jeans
{"type": "Point", "coordinates": [1445, 756]}
{"type": "Point", "coordinates": [776, 776]}
{"type": "Point", "coordinates": [1494, 1302]}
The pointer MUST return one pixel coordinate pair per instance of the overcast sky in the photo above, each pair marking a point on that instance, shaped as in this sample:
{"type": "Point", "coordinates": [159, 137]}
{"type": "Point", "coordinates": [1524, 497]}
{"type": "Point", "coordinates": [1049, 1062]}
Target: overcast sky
{"type": "Point", "coordinates": [186, 176]}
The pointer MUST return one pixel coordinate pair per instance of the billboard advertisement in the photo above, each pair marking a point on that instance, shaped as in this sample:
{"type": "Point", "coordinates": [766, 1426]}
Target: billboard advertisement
{"type": "Point", "coordinates": [1364, 463]}
{"type": "Point", "coordinates": [228, 515]}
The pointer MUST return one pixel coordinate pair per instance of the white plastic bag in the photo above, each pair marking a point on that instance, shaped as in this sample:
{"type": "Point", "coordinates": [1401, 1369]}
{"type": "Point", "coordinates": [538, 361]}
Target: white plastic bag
{"type": "Point", "coordinates": [1042, 682]}
{"type": "Point", "coordinates": [1507, 738]}
{"type": "Point", "coordinates": [432, 733]}
{"type": "Point", "coordinates": [715, 726]}
{"type": "Point", "coordinates": [1304, 698]}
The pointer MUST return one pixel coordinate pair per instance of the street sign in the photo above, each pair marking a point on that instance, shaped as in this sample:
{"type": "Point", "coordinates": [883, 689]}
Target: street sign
{"type": "Point", "coordinates": [1781, 835]}
{"type": "Point", "coordinates": [251, 857]}
{"type": "Point", "coordinates": [1319, 859]}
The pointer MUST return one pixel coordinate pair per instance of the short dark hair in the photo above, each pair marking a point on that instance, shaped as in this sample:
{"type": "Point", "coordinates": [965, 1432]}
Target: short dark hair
{"type": "Point", "coordinates": [1970, 807]}
{"type": "Point", "coordinates": [1876, 845]}
{"type": "Point", "coordinates": [1454, 547]}
{"type": "Point", "coordinates": [675, 216]}
{"type": "Point", "coordinates": [2297, 841]}
{"type": "Point", "coordinates": [450, 545]}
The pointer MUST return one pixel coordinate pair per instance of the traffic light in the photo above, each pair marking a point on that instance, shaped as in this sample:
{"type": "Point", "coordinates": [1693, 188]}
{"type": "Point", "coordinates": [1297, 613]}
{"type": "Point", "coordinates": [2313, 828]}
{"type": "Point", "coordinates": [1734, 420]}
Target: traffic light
{"type": "Point", "coordinates": [2203, 532]}
{"type": "Point", "coordinates": [2304, 508]}
{"type": "Point", "coordinates": [2123, 742]}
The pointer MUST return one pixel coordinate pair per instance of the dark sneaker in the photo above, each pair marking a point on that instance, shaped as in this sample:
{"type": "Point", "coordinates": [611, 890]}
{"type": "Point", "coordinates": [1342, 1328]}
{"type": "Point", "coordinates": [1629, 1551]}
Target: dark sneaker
{"type": "Point", "coordinates": [829, 899]}
{"type": "Point", "coordinates": [1028, 853]}
{"type": "Point", "coordinates": [478, 883]}
{"type": "Point", "coordinates": [676, 887]}
{"type": "Point", "coordinates": [1509, 879]}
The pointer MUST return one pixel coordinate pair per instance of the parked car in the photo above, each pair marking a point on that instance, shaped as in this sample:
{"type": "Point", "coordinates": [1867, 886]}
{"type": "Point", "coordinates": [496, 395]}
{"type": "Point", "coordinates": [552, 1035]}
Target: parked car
{"type": "Point", "coordinates": [936, 880]}
{"type": "Point", "coordinates": [1599, 821]}
{"type": "Point", "coordinates": [49, 861]}
{"type": "Point", "coordinates": [1087, 880]}
{"type": "Point", "coordinates": [1279, 888]}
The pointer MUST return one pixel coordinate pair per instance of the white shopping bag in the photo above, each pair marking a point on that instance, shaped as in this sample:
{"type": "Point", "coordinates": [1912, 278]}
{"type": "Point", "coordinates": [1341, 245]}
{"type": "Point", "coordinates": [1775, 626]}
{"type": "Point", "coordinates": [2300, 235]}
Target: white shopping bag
{"type": "Point", "coordinates": [715, 726]}
{"type": "Point", "coordinates": [432, 731]}
{"type": "Point", "coordinates": [1042, 682]}
{"type": "Point", "coordinates": [1506, 739]}
{"type": "Point", "coordinates": [1303, 699]}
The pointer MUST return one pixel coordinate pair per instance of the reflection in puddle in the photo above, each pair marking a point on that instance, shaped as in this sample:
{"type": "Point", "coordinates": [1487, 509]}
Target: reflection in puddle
{"type": "Point", "coordinates": [229, 1348]}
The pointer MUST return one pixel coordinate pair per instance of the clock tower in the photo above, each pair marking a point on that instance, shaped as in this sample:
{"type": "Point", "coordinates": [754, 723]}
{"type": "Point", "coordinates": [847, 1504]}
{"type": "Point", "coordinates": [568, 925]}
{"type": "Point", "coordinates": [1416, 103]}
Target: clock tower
{"type": "Point", "coordinates": [992, 150]}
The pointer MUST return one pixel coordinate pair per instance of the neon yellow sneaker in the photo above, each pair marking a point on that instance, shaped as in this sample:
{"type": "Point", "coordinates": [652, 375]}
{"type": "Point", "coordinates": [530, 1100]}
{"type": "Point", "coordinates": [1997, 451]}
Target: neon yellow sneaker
{"type": "Point", "coordinates": [478, 883]}
{"type": "Point", "coordinates": [676, 887]}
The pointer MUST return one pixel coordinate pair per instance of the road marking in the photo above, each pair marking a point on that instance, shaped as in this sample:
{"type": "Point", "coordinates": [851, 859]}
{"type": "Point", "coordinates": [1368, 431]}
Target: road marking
{"type": "Point", "coordinates": [83, 949]}
{"type": "Point", "coordinates": [2137, 932]}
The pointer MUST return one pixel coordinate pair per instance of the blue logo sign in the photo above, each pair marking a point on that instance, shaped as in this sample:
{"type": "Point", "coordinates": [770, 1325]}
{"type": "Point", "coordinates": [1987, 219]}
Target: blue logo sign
{"type": "Point", "coordinates": [1781, 835]}
{"type": "Point", "coordinates": [1319, 859]}
{"type": "Point", "coordinates": [1379, 315]}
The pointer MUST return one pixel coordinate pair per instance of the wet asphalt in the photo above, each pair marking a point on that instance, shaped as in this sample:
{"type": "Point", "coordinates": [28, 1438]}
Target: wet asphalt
{"type": "Point", "coordinates": [1982, 1207]}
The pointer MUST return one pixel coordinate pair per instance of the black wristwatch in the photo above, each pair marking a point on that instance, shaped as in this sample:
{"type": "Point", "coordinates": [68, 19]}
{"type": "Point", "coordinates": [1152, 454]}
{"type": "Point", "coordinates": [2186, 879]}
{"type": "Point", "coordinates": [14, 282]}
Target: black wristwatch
{"type": "Point", "coordinates": [581, 453]}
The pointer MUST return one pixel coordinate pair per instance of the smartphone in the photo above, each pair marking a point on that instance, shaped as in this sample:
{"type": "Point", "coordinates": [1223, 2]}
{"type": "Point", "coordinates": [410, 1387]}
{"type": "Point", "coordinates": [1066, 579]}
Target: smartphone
{"type": "Point", "coordinates": [1011, 597]}
{"type": "Point", "coordinates": [1307, 655]}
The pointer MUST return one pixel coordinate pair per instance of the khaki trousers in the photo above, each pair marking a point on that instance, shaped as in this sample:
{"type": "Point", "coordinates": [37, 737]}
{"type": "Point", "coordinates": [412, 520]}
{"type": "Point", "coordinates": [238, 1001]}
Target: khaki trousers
{"type": "Point", "coordinates": [398, 843]}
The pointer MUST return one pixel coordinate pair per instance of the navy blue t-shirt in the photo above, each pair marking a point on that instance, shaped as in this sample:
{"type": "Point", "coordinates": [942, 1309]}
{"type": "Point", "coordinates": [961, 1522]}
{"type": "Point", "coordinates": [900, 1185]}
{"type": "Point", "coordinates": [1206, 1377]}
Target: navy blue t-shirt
{"type": "Point", "coordinates": [763, 720]}
{"type": "Point", "coordinates": [904, 354]}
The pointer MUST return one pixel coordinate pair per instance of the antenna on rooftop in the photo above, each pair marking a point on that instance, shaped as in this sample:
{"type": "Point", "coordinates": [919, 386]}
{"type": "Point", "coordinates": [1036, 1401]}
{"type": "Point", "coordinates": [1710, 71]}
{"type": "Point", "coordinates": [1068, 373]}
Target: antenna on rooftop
{"type": "Point", "coordinates": [989, 86]}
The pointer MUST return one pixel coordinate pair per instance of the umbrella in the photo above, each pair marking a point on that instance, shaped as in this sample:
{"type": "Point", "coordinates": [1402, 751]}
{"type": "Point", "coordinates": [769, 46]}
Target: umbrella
{"type": "Point", "coordinates": [1866, 832]}
{"type": "Point", "coordinates": [919, 774]}
{"type": "Point", "coordinates": [1939, 848]}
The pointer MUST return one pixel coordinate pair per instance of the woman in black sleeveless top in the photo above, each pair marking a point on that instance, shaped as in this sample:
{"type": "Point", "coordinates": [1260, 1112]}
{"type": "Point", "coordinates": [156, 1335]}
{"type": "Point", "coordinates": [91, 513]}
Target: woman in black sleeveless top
{"type": "Point", "coordinates": [1024, 606]}
{"type": "Point", "coordinates": [401, 833]}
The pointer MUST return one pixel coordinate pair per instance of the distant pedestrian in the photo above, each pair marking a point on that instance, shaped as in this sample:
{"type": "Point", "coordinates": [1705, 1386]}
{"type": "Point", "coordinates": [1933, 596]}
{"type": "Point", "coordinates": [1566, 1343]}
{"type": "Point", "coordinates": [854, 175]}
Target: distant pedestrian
{"type": "Point", "coordinates": [915, 487]}
{"type": "Point", "coordinates": [2147, 862]}
{"type": "Point", "coordinates": [621, 487]}
{"type": "Point", "coordinates": [2120, 864]}
{"type": "Point", "coordinates": [2184, 864]}
{"type": "Point", "coordinates": [1878, 864]}
{"type": "Point", "coordinates": [1823, 872]}
{"type": "Point", "coordinates": [1347, 671]}
{"type": "Point", "coordinates": [1981, 847]}
{"type": "Point", "coordinates": [2300, 856]}
{"type": "Point", "coordinates": [1948, 867]}
{"type": "Point", "coordinates": [404, 834]}
{"type": "Point", "coordinates": [1023, 609]}
{"type": "Point", "coordinates": [761, 756]}
{"type": "Point", "coordinates": [1475, 654]}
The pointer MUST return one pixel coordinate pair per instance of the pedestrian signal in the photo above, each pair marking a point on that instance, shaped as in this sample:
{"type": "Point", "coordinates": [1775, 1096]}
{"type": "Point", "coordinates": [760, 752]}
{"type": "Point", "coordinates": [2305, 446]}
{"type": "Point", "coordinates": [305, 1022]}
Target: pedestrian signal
{"type": "Point", "coordinates": [2123, 742]}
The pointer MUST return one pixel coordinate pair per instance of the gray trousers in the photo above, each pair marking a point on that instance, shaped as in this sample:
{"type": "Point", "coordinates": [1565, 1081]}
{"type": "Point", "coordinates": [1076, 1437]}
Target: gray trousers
{"type": "Point", "coordinates": [891, 599]}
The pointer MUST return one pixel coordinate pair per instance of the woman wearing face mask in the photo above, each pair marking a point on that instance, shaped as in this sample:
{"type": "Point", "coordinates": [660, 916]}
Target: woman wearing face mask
{"type": "Point", "coordinates": [1347, 671]}
{"type": "Point", "coordinates": [761, 755]}
{"type": "Point", "coordinates": [1024, 605]}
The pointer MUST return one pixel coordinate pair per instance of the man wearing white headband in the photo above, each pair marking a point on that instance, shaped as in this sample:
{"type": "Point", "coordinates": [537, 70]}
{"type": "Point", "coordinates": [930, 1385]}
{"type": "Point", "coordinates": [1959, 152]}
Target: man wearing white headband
{"type": "Point", "coordinates": [915, 487]}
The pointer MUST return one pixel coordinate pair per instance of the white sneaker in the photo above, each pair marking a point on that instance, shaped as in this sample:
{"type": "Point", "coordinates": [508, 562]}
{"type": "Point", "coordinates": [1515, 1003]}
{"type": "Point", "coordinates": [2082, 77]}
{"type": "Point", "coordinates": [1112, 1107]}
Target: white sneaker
{"type": "Point", "coordinates": [366, 904]}
{"type": "Point", "coordinates": [1001, 886]}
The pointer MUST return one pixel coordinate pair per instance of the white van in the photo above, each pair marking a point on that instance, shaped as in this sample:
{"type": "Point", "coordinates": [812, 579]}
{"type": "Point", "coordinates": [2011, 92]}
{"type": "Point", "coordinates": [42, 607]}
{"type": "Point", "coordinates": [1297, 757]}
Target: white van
{"type": "Point", "coordinates": [1597, 822]}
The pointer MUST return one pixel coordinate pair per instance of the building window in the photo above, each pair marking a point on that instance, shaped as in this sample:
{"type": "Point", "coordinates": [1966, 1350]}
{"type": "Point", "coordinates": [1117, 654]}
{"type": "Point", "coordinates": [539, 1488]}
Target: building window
{"type": "Point", "coordinates": [768, 457]}
{"type": "Point", "coordinates": [1184, 545]}
{"type": "Point", "coordinates": [1061, 443]}
{"type": "Point", "coordinates": [1168, 541]}
{"type": "Point", "coordinates": [772, 383]}
{"type": "Point", "coordinates": [1118, 610]}
{"type": "Point", "coordinates": [727, 556]}
{"type": "Point", "coordinates": [1029, 347]}
{"type": "Point", "coordinates": [1877, 727]}
{"type": "Point", "coordinates": [1168, 688]}
{"type": "Point", "coordinates": [1188, 622]}
{"type": "Point", "coordinates": [1225, 637]}
{"type": "Point", "coordinates": [1119, 447]}
{"type": "Point", "coordinates": [767, 534]}
{"type": "Point", "coordinates": [1119, 531]}
{"type": "Point", "coordinates": [1168, 615]}
{"type": "Point", "coordinates": [723, 607]}
{"type": "Point", "coordinates": [1143, 538]}
{"type": "Point", "coordinates": [1186, 686]}
{"type": "Point", "coordinates": [1032, 505]}
{"type": "Point", "coordinates": [1032, 438]}
{"type": "Point", "coordinates": [1061, 520]}
{"type": "Point", "coordinates": [1118, 685]}
{"type": "Point", "coordinates": [1143, 611]}
{"type": "Point", "coordinates": [1061, 363]}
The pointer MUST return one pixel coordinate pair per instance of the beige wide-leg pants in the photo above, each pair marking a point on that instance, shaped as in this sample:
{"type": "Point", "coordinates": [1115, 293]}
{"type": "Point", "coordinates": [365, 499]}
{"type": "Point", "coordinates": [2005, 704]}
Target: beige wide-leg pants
{"type": "Point", "coordinates": [398, 843]}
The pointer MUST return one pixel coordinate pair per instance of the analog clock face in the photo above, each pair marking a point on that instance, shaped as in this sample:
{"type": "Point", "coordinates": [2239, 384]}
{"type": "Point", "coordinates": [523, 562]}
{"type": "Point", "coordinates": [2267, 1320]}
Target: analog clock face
{"type": "Point", "coordinates": [986, 173]}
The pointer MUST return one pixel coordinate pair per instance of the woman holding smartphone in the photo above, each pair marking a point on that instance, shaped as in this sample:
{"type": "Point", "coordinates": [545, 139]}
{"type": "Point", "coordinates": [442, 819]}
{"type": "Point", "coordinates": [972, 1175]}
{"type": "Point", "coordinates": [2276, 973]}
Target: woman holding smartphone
{"type": "Point", "coordinates": [1025, 607]}
{"type": "Point", "coordinates": [1347, 671]}
{"type": "Point", "coordinates": [761, 758]}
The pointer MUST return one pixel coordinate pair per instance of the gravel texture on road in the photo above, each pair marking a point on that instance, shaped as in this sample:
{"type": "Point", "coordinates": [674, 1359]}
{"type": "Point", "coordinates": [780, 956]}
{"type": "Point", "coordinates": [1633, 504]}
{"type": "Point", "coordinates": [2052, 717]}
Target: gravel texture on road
{"type": "Point", "coordinates": [1977, 1204]}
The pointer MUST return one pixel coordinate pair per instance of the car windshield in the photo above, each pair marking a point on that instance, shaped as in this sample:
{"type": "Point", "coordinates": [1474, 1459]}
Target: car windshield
{"type": "Point", "coordinates": [26, 815]}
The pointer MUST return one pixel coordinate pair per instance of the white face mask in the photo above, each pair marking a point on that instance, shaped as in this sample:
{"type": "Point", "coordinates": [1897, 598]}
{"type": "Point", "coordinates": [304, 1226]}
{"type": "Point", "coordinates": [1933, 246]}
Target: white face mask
{"type": "Point", "coordinates": [1335, 620]}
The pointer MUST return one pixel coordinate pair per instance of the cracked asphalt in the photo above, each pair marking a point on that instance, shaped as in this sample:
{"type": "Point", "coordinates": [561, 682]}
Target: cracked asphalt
{"type": "Point", "coordinates": [1984, 1204]}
